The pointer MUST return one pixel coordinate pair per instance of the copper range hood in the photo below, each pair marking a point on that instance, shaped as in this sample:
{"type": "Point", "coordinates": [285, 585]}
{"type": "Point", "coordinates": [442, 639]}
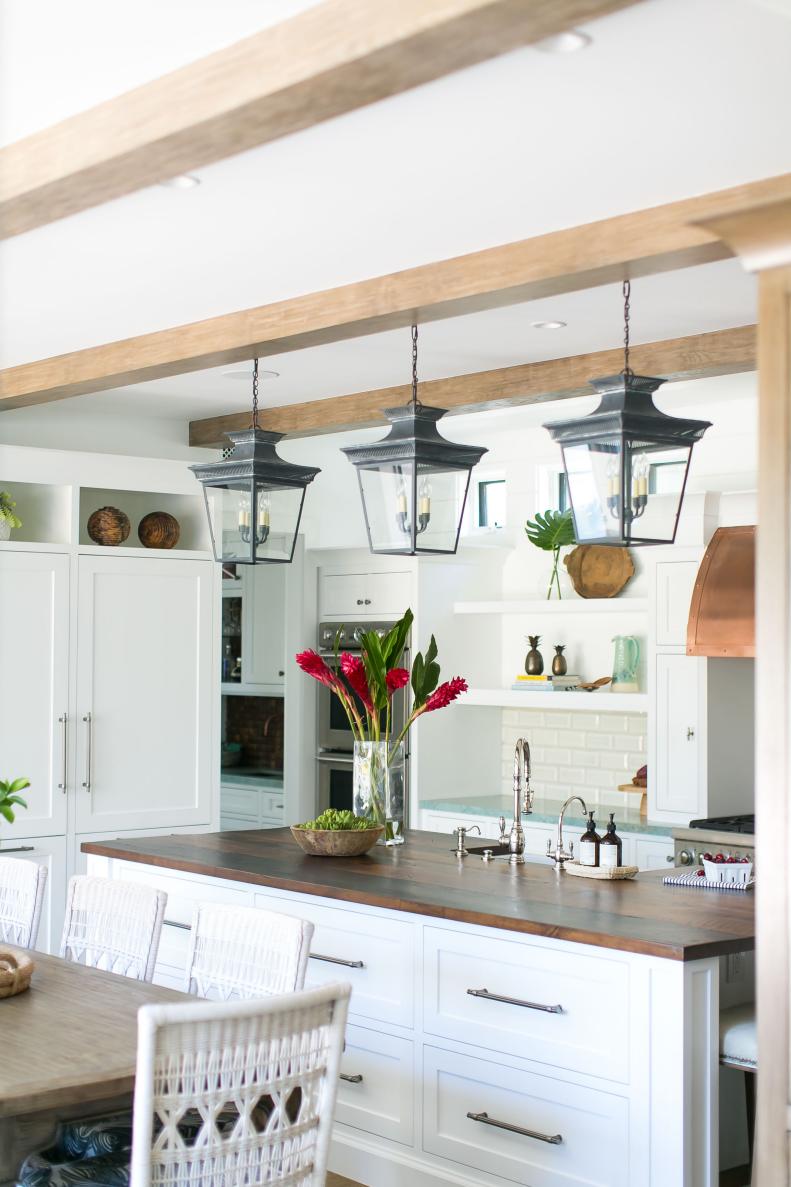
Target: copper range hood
{"type": "Point", "coordinates": [722, 611]}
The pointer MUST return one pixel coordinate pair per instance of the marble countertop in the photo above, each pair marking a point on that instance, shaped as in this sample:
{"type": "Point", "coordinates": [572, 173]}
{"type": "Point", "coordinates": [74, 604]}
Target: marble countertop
{"type": "Point", "coordinates": [546, 811]}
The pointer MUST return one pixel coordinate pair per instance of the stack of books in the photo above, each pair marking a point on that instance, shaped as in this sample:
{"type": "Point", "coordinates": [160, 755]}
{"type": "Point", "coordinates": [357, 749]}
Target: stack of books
{"type": "Point", "coordinates": [546, 683]}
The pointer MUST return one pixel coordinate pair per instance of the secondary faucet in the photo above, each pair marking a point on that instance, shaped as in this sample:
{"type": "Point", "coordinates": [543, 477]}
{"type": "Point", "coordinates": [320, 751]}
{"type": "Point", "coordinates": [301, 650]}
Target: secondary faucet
{"type": "Point", "coordinates": [560, 855]}
{"type": "Point", "coordinates": [523, 802]}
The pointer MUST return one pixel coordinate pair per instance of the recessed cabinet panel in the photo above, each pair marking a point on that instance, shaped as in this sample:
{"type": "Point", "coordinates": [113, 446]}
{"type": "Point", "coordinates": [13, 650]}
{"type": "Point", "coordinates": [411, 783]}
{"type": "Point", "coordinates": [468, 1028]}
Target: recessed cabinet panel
{"type": "Point", "coordinates": [592, 1125]}
{"type": "Point", "coordinates": [675, 581]}
{"type": "Point", "coordinates": [343, 594]}
{"type": "Point", "coordinates": [34, 660]}
{"type": "Point", "coordinates": [680, 779]}
{"type": "Point", "coordinates": [389, 593]}
{"type": "Point", "coordinates": [355, 595]}
{"type": "Point", "coordinates": [264, 618]}
{"type": "Point", "coordinates": [144, 701]}
{"type": "Point", "coordinates": [376, 1089]}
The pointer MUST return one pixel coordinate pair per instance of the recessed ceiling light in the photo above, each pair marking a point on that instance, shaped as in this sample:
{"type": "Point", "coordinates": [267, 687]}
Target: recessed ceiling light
{"type": "Point", "coordinates": [567, 42]}
{"type": "Point", "coordinates": [246, 374]}
{"type": "Point", "coordinates": [182, 181]}
{"type": "Point", "coordinates": [548, 325]}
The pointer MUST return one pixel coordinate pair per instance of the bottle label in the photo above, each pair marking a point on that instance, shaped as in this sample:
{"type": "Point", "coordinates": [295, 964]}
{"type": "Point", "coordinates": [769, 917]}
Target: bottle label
{"type": "Point", "coordinates": [608, 856]}
{"type": "Point", "coordinates": [587, 853]}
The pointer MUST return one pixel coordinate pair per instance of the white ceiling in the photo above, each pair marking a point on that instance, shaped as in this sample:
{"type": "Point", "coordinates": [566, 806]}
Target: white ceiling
{"type": "Point", "coordinates": [674, 97]}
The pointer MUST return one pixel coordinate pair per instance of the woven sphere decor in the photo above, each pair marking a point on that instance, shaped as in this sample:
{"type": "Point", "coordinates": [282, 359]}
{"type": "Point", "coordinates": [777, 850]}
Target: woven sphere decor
{"type": "Point", "coordinates": [16, 969]}
{"type": "Point", "coordinates": [109, 526]}
{"type": "Point", "coordinates": [159, 529]}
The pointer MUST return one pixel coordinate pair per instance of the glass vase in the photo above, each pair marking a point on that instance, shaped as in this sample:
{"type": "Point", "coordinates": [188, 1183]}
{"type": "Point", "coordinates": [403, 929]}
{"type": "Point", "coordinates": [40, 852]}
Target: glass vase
{"type": "Point", "coordinates": [378, 787]}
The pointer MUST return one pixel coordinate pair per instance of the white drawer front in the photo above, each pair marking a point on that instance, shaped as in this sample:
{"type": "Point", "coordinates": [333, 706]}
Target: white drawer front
{"type": "Point", "coordinates": [381, 953]}
{"type": "Point", "coordinates": [240, 801]}
{"type": "Point", "coordinates": [592, 993]}
{"type": "Point", "coordinates": [382, 1102]}
{"type": "Point", "coordinates": [235, 824]}
{"type": "Point", "coordinates": [593, 1125]}
{"type": "Point", "coordinates": [271, 804]}
{"type": "Point", "coordinates": [182, 893]}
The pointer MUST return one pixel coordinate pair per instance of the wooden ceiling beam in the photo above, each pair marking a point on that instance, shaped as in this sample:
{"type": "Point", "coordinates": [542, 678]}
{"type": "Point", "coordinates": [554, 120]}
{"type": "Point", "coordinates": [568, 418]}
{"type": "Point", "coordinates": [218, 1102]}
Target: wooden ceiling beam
{"type": "Point", "coordinates": [696, 357]}
{"type": "Point", "coordinates": [334, 58]}
{"type": "Point", "coordinates": [660, 239]}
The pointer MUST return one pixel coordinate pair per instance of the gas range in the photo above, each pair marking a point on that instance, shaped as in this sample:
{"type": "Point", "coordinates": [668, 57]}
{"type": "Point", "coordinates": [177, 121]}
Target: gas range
{"type": "Point", "coordinates": [731, 835]}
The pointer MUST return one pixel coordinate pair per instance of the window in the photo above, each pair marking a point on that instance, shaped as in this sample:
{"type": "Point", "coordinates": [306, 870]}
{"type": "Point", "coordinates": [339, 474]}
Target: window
{"type": "Point", "coordinates": [665, 478]}
{"type": "Point", "coordinates": [491, 503]}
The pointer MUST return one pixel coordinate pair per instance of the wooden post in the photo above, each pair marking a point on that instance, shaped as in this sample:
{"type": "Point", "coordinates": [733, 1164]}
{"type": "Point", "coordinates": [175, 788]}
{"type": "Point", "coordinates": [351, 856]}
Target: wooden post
{"type": "Point", "coordinates": [762, 238]}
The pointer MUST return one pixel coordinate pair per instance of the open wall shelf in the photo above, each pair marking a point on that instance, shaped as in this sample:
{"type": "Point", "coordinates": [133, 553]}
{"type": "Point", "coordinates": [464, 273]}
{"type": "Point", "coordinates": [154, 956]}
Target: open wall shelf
{"type": "Point", "coordinates": [45, 512]}
{"type": "Point", "coordinates": [582, 606]}
{"type": "Point", "coordinates": [592, 702]}
{"type": "Point", "coordinates": [189, 510]}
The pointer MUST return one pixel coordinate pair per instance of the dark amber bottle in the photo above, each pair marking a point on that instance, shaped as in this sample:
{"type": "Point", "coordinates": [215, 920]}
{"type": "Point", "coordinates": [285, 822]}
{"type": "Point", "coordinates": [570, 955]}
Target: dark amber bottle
{"type": "Point", "coordinates": [589, 844]}
{"type": "Point", "coordinates": [611, 847]}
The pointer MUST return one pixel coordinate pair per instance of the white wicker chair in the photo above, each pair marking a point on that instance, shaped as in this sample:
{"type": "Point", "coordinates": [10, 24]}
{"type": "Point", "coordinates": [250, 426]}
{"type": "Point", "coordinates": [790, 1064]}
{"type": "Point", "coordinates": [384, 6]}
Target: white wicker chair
{"type": "Point", "coordinates": [22, 886]}
{"type": "Point", "coordinates": [242, 952]}
{"type": "Point", "coordinates": [242, 1092]}
{"type": "Point", "coordinates": [113, 925]}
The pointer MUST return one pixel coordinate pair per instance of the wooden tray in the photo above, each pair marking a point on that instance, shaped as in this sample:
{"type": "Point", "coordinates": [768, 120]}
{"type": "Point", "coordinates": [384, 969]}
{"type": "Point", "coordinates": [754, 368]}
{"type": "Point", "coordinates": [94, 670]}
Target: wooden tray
{"type": "Point", "coordinates": [16, 969]}
{"type": "Point", "coordinates": [603, 873]}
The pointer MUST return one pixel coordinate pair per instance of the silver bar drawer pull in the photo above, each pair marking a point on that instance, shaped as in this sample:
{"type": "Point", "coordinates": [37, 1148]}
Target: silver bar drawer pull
{"type": "Point", "coordinates": [349, 964]}
{"type": "Point", "coordinates": [64, 721]}
{"type": "Point", "coordinates": [514, 1001]}
{"type": "Point", "coordinates": [554, 1139]}
{"type": "Point", "coordinates": [180, 926]}
{"type": "Point", "coordinates": [88, 747]}
{"type": "Point", "coordinates": [356, 1079]}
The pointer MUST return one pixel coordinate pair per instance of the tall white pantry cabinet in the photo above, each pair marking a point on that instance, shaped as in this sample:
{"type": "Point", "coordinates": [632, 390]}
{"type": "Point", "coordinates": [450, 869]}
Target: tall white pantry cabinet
{"type": "Point", "coordinates": [109, 686]}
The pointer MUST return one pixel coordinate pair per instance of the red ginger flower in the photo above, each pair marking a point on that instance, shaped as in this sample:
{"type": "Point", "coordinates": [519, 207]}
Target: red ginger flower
{"type": "Point", "coordinates": [314, 665]}
{"type": "Point", "coordinates": [396, 678]}
{"type": "Point", "coordinates": [446, 693]}
{"type": "Point", "coordinates": [354, 671]}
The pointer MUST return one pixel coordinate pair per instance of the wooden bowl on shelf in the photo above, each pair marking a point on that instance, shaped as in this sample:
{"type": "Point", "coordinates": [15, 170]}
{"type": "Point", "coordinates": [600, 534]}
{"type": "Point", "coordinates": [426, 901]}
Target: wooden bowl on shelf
{"type": "Point", "coordinates": [109, 526]}
{"type": "Point", "coordinates": [16, 969]}
{"type": "Point", "coordinates": [336, 842]}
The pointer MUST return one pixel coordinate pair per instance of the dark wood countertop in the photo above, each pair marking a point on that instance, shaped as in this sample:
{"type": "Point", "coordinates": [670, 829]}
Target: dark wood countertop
{"type": "Point", "coordinates": [424, 877]}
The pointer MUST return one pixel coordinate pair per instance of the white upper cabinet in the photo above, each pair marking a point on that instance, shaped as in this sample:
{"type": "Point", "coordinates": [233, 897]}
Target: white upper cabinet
{"type": "Point", "coordinates": [263, 624]}
{"type": "Point", "coordinates": [144, 692]}
{"type": "Point", "coordinates": [360, 594]}
{"type": "Point", "coordinates": [680, 734]}
{"type": "Point", "coordinates": [34, 689]}
{"type": "Point", "coordinates": [675, 580]}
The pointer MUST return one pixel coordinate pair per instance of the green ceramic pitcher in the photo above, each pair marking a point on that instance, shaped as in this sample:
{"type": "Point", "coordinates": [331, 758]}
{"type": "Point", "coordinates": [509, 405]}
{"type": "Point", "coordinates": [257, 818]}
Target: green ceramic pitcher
{"type": "Point", "coordinates": [626, 660]}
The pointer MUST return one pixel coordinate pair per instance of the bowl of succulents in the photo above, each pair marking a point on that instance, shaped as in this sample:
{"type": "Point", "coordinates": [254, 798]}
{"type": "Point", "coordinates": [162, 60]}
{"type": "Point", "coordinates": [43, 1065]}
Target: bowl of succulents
{"type": "Point", "coordinates": [337, 834]}
{"type": "Point", "coordinates": [8, 517]}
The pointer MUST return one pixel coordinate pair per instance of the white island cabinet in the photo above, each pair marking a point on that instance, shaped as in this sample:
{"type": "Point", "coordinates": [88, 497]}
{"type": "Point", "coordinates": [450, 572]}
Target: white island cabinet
{"type": "Point", "coordinates": [484, 1056]}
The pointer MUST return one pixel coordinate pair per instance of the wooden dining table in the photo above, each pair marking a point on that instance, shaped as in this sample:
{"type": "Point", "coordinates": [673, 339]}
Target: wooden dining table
{"type": "Point", "coordinates": [68, 1047]}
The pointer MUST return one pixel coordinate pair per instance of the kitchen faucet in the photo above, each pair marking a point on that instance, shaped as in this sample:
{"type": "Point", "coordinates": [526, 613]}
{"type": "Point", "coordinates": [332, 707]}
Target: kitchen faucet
{"type": "Point", "coordinates": [560, 855]}
{"type": "Point", "coordinates": [523, 802]}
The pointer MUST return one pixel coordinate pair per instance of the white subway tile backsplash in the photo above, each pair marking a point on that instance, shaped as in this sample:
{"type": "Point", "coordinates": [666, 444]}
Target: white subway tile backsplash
{"type": "Point", "coordinates": [584, 753]}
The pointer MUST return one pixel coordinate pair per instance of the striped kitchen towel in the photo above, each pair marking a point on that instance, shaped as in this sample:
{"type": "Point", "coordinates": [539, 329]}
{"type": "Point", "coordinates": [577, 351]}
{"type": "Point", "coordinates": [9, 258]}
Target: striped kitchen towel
{"type": "Point", "coordinates": [690, 878]}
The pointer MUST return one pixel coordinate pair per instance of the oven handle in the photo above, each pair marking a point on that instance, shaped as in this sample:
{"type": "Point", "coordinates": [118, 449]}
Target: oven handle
{"type": "Point", "coordinates": [344, 759]}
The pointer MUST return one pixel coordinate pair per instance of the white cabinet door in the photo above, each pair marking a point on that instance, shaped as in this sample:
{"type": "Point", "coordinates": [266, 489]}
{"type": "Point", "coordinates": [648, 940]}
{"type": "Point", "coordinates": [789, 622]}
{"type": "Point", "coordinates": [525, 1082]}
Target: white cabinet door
{"type": "Point", "coordinates": [675, 581]}
{"type": "Point", "coordinates": [34, 659]}
{"type": "Point", "coordinates": [49, 852]}
{"type": "Point", "coordinates": [264, 624]}
{"type": "Point", "coordinates": [388, 594]}
{"type": "Point", "coordinates": [144, 683]}
{"type": "Point", "coordinates": [342, 595]}
{"type": "Point", "coordinates": [680, 751]}
{"type": "Point", "coordinates": [653, 855]}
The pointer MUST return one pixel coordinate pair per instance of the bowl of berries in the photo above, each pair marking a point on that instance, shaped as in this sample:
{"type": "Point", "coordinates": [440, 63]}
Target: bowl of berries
{"type": "Point", "coordinates": [719, 867]}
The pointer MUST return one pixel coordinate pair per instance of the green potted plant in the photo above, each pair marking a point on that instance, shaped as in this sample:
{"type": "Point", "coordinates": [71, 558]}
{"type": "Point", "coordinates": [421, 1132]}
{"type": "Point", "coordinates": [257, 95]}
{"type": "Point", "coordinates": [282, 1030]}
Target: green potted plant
{"type": "Point", "coordinates": [8, 519]}
{"type": "Point", "coordinates": [552, 531]}
{"type": "Point", "coordinates": [10, 797]}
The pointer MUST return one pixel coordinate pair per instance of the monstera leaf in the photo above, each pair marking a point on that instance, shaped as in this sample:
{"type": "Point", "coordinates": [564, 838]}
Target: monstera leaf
{"type": "Point", "coordinates": [551, 531]}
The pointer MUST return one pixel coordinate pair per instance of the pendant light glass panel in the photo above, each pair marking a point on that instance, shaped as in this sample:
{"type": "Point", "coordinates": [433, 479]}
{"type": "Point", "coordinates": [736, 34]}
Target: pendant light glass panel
{"type": "Point", "coordinates": [600, 473]}
{"type": "Point", "coordinates": [254, 523]}
{"type": "Point", "coordinates": [412, 507]}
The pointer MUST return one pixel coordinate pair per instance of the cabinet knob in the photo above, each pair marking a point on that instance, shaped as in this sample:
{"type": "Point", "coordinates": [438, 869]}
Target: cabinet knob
{"type": "Point", "coordinates": [281, 672]}
{"type": "Point", "coordinates": [367, 601]}
{"type": "Point", "coordinates": [690, 733]}
{"type": "Point", "coordinates": [359, 601]}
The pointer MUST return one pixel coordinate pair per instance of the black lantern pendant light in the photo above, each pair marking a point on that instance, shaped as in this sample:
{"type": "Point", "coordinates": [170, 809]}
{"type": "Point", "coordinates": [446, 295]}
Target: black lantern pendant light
{"type": "Point", "coordinates": [414, 482]}
{"type": "Point", "coordinates": [616, 457]}
{"type": "Point", "coordinates": [256, 498]}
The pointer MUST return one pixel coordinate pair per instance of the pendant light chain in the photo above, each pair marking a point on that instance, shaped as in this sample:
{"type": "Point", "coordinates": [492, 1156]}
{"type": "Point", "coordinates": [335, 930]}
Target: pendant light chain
{"type": "Point", "coordinates": [415, 401]}
{"type": "Point", "coordinates": [627, 292]}
{"type": "Point", "coordinates": [255, 393]}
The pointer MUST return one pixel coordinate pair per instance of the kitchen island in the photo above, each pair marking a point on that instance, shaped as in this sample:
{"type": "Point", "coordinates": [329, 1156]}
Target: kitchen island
{"type": "Point", "coordinates": [506, 1024]}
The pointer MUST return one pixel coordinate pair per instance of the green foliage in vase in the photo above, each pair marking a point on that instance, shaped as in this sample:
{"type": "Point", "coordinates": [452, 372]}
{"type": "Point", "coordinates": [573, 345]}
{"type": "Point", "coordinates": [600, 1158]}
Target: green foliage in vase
{"type": "Point", "coordinates": [7, 506]}
{"type": "Point", "coordinates": [333, 820]}
{"type": "Point", "coordinates": [9, 797]}
{"type": "Point", "coordinates": [552, 531]}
